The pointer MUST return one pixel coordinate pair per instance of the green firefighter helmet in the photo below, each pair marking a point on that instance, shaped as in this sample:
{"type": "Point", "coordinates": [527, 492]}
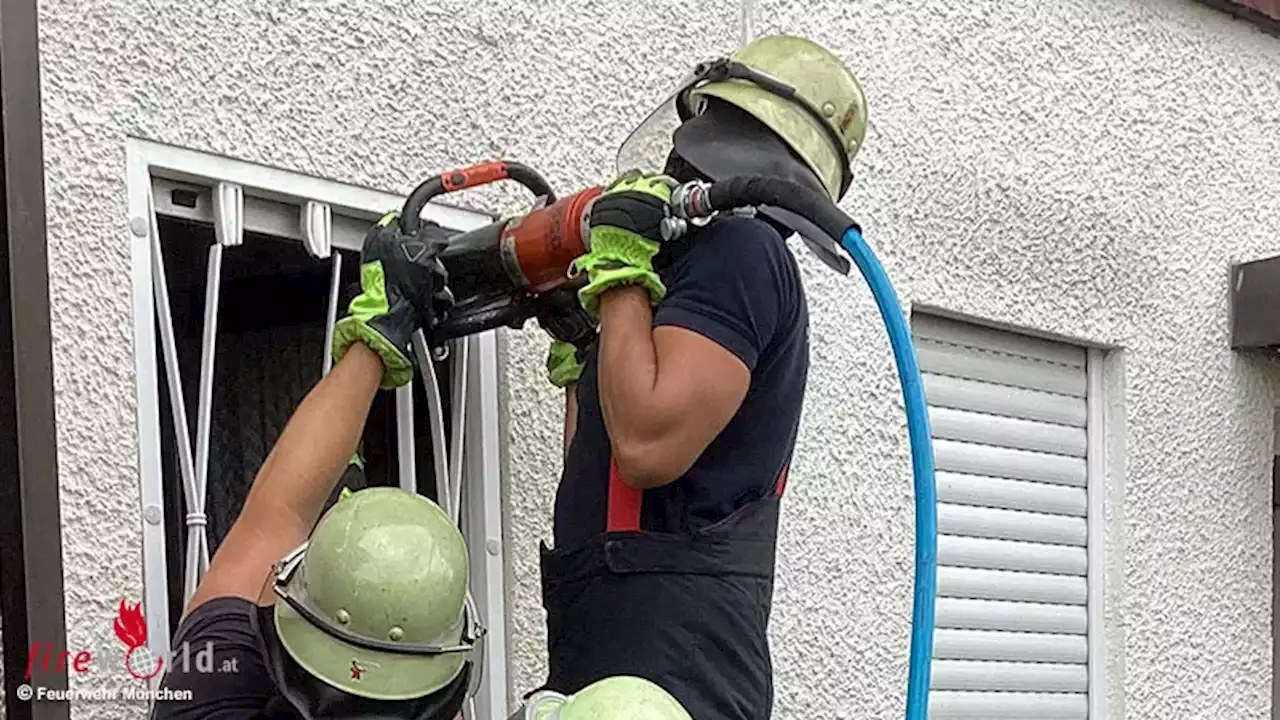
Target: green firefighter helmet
{"type": "Point", "coordinates": [827, 139]}
{"type": "Point", "coordinates": [375, 603]}
{"type": "Point", "coordinates": [621, 697]}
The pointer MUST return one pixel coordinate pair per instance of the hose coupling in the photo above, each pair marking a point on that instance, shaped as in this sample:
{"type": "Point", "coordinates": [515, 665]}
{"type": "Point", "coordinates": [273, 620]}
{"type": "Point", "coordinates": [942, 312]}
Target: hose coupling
{"type": "Point", "coordinates": [673, 228]}
{"type": "Point", "coordinates": [690, 204]}
{"type": "Point", "coordinates": [692, 201]}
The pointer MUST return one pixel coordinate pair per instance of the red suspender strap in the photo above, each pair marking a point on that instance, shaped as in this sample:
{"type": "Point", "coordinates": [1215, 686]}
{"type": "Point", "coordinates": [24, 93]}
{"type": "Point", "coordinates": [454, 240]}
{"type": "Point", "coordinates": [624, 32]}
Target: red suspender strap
{"type": "Point", "coordinates": [624, 500]}
{"type": "Point", "coordinates": [624, 503]}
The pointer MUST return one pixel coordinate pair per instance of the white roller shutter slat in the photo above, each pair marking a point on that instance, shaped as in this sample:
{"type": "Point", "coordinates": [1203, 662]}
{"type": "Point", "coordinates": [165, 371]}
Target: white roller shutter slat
{"type": "Point", "coordinates": [971, 459]}
{"type": "Point", "coordinates": [1016, 586]}
{"type": "Point", "coordinates": [1010, 646]}
{"type": "Point", "coordinates": [1008, 416]}
{"type": "Point", "coordinates": [983, 397]}
{"type": "Point", "coordinates": [1009, 677]}
{"type": "Point", "coordinates": [959, 489]}
{"type": "Point", "coordinates": [952, 705]}
{"type": "Point", "coordinates": [989, 367]}
{"type": "Point", "coordinates": [989, 554]}
{"type": "Point", "coordinates": [966, 614]}
{"type": "Point", "coordinates": [958, 332]}
{"type": "Point", "coordinates": [1006, 432]}
{"type": "Point", "coordinates": [1012, 525]}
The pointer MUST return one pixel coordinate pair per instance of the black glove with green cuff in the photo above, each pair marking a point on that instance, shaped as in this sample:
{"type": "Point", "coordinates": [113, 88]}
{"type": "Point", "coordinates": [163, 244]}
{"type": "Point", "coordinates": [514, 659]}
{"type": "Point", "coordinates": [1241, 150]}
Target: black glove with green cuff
{"type": "Point", "coordinates": [403, 288]}
{"type": "Point", "coordinates": [626, 232]}
{"type": "Point", "coordinates": [572, 331]}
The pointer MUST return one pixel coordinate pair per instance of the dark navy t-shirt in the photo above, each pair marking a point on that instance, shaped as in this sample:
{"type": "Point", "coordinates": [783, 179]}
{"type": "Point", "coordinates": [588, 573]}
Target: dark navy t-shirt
{"type": "Point", "coordinates": [235, 685]}
{"type": "Point", "coordinates": [736, 283]}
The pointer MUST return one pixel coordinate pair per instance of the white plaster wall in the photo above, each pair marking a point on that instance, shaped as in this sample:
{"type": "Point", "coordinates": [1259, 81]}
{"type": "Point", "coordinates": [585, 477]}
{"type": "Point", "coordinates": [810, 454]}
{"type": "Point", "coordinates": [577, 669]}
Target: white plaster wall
{"type": "Point", "coordinates": [1086, 167]}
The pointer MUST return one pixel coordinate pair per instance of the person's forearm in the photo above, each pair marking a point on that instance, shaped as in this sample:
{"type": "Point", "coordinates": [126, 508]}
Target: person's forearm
{"type": "Point", "coordinates": [291, 488]}
{"type": "Point", "coordinates": [298, 476]}
{"type": "Point", "coordinates": [638, 413]}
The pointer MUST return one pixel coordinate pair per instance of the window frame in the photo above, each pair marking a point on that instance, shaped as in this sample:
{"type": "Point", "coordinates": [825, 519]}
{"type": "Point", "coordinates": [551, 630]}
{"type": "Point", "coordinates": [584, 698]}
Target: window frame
{"type": "Point", "coordinates": [1095, 550]}
{"type": "Point", "coordinates": [322, 214]}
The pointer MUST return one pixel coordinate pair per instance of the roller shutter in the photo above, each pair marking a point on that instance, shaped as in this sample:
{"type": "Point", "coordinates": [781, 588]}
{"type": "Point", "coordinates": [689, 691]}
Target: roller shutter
{"type": "Point", "coordinates": [1008, 415]}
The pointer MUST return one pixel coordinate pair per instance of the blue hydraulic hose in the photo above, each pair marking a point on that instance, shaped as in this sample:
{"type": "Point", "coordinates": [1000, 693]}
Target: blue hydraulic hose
{"type": "Point", "coordinates": [700, 200]}
{"type": "Point", "coordinates": [922, 468]}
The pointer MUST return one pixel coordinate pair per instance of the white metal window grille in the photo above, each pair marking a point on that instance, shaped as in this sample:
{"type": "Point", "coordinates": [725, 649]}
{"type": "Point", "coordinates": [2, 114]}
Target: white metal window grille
{"type": "Point", "coordinates": [242, 200]}
{"type": "Point", "coordinates": [1012, 426]}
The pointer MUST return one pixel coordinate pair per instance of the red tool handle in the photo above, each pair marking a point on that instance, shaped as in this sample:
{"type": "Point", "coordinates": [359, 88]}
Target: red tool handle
{"type": "Point", "coordinates": [469, 177]}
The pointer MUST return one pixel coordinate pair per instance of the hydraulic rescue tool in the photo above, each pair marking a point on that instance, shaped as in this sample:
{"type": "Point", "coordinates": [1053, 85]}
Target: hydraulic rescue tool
{"type": "Point", "coordinates": [517, 268]}
{"type": "Point", "coordinates": [502, 274]}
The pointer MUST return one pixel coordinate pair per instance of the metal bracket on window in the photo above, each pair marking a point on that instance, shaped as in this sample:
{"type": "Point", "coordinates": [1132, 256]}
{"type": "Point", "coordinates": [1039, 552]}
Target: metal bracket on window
{"type": "Point", "coordinates": [458, 401]}
{"type": "Point", "coordinates": [197, 543]}
{"type": "Point", "coordinates": [317, 228]}
{"type": "Point", "coordinates": [331, 317]}
{"type": "Point", "coordinates": [228, 214]}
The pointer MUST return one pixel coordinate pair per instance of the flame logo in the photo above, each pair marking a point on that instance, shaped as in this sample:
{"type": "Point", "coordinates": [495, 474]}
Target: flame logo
{"type": "Point", "coordinates": [131, 628]}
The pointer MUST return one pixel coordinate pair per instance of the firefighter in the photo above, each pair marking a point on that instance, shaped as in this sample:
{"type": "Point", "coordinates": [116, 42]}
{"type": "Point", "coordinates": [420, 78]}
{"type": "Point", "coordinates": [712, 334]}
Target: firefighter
{"type": "Point", "coordinates": [682, 413]}
{"type": "Point", "coordinates": [365, 616]}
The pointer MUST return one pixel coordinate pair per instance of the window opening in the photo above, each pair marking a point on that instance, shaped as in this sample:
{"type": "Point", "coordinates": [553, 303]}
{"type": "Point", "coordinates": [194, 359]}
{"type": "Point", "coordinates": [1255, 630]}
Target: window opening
{"type": "Point", "coordinates": [272, 338]}
{"type": "Point", "coordinates": [239, 271]}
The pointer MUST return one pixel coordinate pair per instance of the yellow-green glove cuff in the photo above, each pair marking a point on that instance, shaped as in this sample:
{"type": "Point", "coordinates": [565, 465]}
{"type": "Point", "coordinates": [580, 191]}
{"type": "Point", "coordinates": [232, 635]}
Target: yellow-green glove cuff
{"type": "Point", "coordinates": [563, 368]}
{"type": "Point", "coordinates": [397, 368]}
{"type": "Point", "coordinates": [607, 278]}
{"type": "Point", "coordinates": [619, 245]}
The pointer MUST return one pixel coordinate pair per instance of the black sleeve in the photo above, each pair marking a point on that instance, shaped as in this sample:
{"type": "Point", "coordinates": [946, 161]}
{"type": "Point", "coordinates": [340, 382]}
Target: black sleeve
{"type": "Point", "coordinates": [216, 669]}
{"type": "Point", "coordinates": [728, 287]}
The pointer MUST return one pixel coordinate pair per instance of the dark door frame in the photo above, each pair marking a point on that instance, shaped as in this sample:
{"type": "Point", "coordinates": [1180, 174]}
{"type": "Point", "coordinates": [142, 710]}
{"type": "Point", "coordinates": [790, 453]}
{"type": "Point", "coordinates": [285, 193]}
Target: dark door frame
{"type": "Point", "coordinates": [31, 592]}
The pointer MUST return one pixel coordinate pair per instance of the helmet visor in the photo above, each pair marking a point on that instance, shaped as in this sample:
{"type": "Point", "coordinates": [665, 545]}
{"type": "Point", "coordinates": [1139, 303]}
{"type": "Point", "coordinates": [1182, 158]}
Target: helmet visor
{"type": "Point", "coordinates": [648, 146]}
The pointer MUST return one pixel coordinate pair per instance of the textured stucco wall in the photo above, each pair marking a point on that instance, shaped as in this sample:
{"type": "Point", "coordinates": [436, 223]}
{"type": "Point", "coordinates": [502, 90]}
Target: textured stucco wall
{"type": "Point", "coordinates": [1088, 167]}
